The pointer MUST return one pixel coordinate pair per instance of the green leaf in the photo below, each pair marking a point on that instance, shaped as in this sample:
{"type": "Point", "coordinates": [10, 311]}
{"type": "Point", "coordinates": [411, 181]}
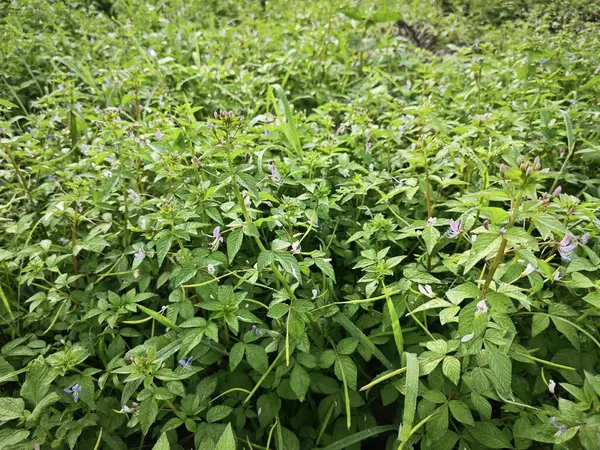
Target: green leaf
{"type": "Point", "coordinates": [326, 268]}
{"type": "Point", "coordinates": [43, 405]}
{"type": "Point", "coordinates": [39, 378]}
{"type": "Point", "coordinates": [148, 410]}
{"type": "Point", "coordinates": [265, 258]}
{"type": "Point", "coordinates": [257, 358]}
{"type": "Point", "coordinates": [569, 128]}
{"type": "Point", "coordinates": [593, 299]}
{"type": "Point", "coordinates": [9, 438]}
{"type": "Point", "coordinates": [568, 330]}
{"type": "Point", "coordinates": [218, 412]}
{"type": "Point", "coordinates": [299, 381]}
{"type": "Point", "coordinates": [463, 291]}
{"type": "Point", "coordinates": [547, 224]}
{"type": "Point", "coordinates": [347, 346]}
{"type": "Point", "coordinates": [431, 236]}
{"type": "Point", "coordinates": [501, 366]}
{"type": "Point", "coordinates": [357, 333]}
{"type": "Point", "coordinates": [162, 443]}
{"type": "Point", "coordinates": [539, 323]}
{"type": "Point", "coordinates": [158, 317]}
{"type": "Point", "coordinates": [398, 338]}
{"type": "Point", "coordinates": [234, 243]}
{"type": "Point", "coordinates": [437, 425]}
{"type": "Point", "coordinates": [227, 440]}
{"type": "Point", "coordinates": [461, 412]}
{"type": "Point", "coordinates": [451, 368]}
{"type": "Point", "coordinates": [410, 398]}
{"type": "Point", "coordinates": [488, 435]}
{"type": "Point", "coordinates": [345, 370]}
{"type": "Point", "coordinates": [181, 274]}
{"type": "Point", "coordinates": [485, 245]}
{"type": "Point", "coordinates": [347, 442]}
{"type": "Point", "coordinates": [11, 408]}
{"type": "Point", "coordinates": [163, 245]}
{"type": "Point", "coordinates": [236, 355]}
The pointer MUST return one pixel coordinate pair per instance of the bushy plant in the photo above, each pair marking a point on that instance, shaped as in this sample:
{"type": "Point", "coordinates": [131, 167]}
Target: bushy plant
{"type": "Point", "coordinates": [245, 225]}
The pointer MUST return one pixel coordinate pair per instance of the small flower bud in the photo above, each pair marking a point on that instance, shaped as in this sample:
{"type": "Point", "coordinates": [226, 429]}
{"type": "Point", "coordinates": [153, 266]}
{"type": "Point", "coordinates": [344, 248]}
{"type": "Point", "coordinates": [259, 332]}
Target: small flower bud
{"type": "Point", "coordinates": [502, 168]}
{"type": "Point", "coordinates": [486, 224]}
{"type": "Point", "coordinates": [529, 170]}
{"type": "Point", "coordinates": [557, 191]}
{"type": "Point", "coordinates": [536, 163]}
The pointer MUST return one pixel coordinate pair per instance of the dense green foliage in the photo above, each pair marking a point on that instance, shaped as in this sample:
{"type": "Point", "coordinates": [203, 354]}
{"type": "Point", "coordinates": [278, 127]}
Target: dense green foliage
{"type": "Point", "coordinates": [330, 224]}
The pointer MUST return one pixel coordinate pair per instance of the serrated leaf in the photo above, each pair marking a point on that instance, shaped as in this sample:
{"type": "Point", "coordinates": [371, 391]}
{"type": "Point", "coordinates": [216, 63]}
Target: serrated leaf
{"type": "Point", "coordinates": [539, 323]}
{"type": "Point", "coordinates": [326, 268]}
{"type": "Point", "coordinates": [488, 435]}
{"type": "Point", "coordinates": [148, 410]}
{"type": "Point", "coordinates": [501, 366]}
{"type": "Point", "coordinates": [236, 355]}
{"type": "Point", "coordinates": [11, 408]}
{"type": "Point", "coordinates": [484, 246]}
{"type": "Point", "coordinates": [234, 243]}
{"type": "Point", "coordinates": [227, 440]}
{"type": "Point", "coordinates": [451, 368]}
{"type": "Point", "coordinates": [461, 412]}
{"type": "Point", "coordinates": [218, 412]}
{"type": "Point", "coordinates": [299, 381]}
{"type": "Point", "coordinates": [265, 258]}
{"type": "Point", "coordinates": [162, 443]}
{"type": "Point", "coordinates": [257, 358]}
{"type": "Point", "coordinates": [163, 245]}
{"type": "Point", "coordinates": [431, 236]}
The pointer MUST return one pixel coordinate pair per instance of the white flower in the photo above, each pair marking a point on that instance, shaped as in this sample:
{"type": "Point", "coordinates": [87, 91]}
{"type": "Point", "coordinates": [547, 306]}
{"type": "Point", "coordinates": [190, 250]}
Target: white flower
{"type": "Point", "coordinates": [529, 269]}
{"type": "Point", "coordinates": [481, 307]}
{"type": "Point", "coordinates": [426, 291]}
{"type": "Point", "coordinates": [473, 238]}
{"type": "Point", "coordinates": [315, 292]}
{"type": "Point", "coordinates": [551, 386]}
{"type": "Point", "coordinates": [296, 247]}
{"type": "Point", "coordinates": [431, 221]}
{"type": "Point", "coordinates": [467, 337]}
{"type": "Point", "coordinates": [107, 173]}
{"type": "Point", "coordinates": [211, 269]}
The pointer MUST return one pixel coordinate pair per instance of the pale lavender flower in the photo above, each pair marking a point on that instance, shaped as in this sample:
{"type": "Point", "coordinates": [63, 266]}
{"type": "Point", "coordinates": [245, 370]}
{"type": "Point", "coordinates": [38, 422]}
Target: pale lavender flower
{"type": "Point", "coordinates": [368, 146]}
{"type": "Point", "coordinates": [296, 247]}
{"type": "Point", "coordinates": [557, 275]}
{"type": "Point", "coordinates": [553, 421]}
{"type": "Point", "coordinates": [566, 247]}
{"type": "Point", "coordinates": [217, 238]}
{"type": "Point", "coordinates": [481, 307]}
{"type": "Point", "coordinates": [467, 337]}
{"type": "Point", "coordinates": [275, 177]}
{"type": "Point", "coordinates": [75, 390]}
{"type": "Point", "coordinates": [211, 269]}
{"type": "Point", "coordinates": [186, 363]}
{"type": "Point", "coordinates": [135, 198]}
{"type": "Point", "coordinates": [502, 230]}
{"type": "Point", "coordinates": [426, 290]}
{"type": "Point", "coordinates": [140, 254]}
{"type": "Point", "coordinates": [473, 238]}
{"type": "Point", "coordinates": [528, 270]}
{"type": "Point", "coordinates": [556, 192]}
{"type": "Point", "coordinates": [431, 221]}
{"type": "Point", "coordinates": [455, 228]}
{"type": "Point", "coordinates": [63, 241]}
{"type": "Point", "coordinates": [585, 238]}
{"type": "Point", "coordinates": [562, 432]}
{"type": "Point", "coordinates": [266, 133]}
{"type": "Point", "coordinates": [107, 173]}
{"type": "Point", "coordinates": [256, 330]}
{"type": "Point", "coordinates": [159, 135]}
{"type": "Point", "coordinates": [51, 178]}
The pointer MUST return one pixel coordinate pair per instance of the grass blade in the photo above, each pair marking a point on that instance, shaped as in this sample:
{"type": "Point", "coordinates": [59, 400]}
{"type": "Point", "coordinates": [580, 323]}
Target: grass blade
{"type": "Point", "coordinates": [395, 323]}
{"type": "Point", "coordinates": [357, 333]}
{"type": "Point", "coordinates": [383, 377]}
{"type": "Point", "coordinates": [410, 400]}
{"type": "Point", "coordinates": [288, 125]}
{"type": "Point", "coordinates": [6, 304]}
{"type": "Point", "coordinates": [358, 437]}
{"type": "Point", "coordinates": [159, 317]}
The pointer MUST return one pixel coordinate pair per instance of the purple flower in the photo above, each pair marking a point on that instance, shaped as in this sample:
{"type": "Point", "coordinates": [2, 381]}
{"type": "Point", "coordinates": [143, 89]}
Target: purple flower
{"type": "Point", "coordinates": [75, 390]}
{"type": "Point", "coordinates": [481, 307]}
{"type": "Point", "coordinates": [158, 135]}
{"type": "Point", "coordinates": [557, 191]}
{"type": "Point", "coordinates": [566, 247]}
{"type": "Point", "coordinates": [186, 363]}
{"type": "Point", "coordinates": [135, 198]}
{"type": "Point", "coordinates": [431, 221]}
{"type": "Point", "coordinates": [455, 228]}
{"type": "Point", "coordinates": [63, 241]}
{"type": "Point", "coordinates": [217, 238]}
{"type": "Point", "coordinates": [257, 330]}
{"type": "Point", "coordinates": [368, 146]}
{"type": "Point", "coordinates": [140, 254]}
{"type": "Point", "coordinates": [502, 230]}
{"type": "Point", "coordinates": [562, 429]}
{"type": "Point", "coordinates": [274, 173]}
{"type": "Point", "coordinates": [585, 238]}
{"type": "Point", "coordinates": [266, 133]}
{"type": "Point", "coordinates": [51, 178]}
